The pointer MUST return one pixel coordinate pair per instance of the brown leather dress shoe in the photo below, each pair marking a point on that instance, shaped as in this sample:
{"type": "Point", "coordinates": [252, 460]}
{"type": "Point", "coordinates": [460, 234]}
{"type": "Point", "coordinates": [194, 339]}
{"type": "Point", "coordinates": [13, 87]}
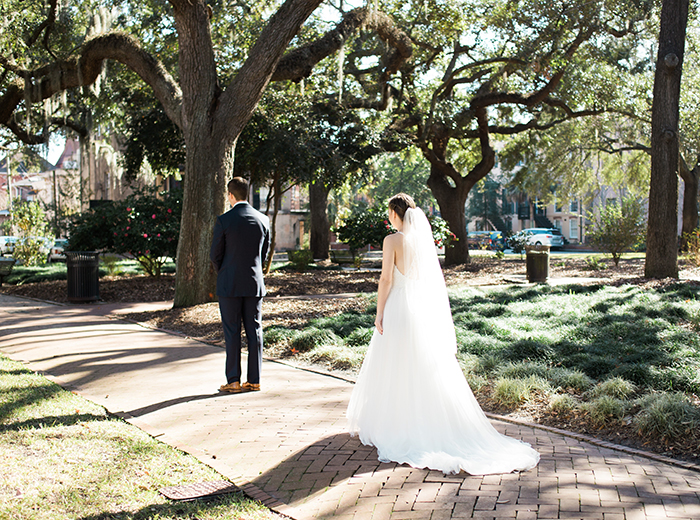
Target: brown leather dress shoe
{"type": "Point", "coordinates": [232, 388]}
{"type": "Point", "coordinates": [251, 387]}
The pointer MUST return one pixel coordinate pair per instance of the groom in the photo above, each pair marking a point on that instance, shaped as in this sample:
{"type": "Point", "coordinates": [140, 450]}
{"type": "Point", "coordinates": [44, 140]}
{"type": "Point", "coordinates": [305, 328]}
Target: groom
{"type": "Point", "coordinates": [238, 250]}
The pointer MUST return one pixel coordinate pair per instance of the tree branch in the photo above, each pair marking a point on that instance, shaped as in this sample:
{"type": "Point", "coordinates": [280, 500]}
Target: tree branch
{"type": "Point", "coordinates": [84, 69]}
{"type": "Point", "coordinates": [299, 63]}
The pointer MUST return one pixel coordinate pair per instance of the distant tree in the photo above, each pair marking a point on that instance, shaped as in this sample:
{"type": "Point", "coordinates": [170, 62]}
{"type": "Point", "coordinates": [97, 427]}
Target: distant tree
{"type": "Point", "coordinates": [29, 220]}
{"type": "Point", "coordinates": [485, 205]}
{"type": "Point", "coordinates": [618, 227]}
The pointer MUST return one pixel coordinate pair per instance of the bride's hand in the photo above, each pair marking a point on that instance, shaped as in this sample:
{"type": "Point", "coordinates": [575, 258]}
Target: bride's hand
{"type": "Point", "coordinates": [378, 323]}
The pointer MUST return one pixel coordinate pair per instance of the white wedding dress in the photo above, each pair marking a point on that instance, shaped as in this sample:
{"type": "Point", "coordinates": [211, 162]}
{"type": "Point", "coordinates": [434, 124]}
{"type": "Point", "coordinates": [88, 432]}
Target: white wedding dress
{"type": "Point", "coordinates": [411, 400]}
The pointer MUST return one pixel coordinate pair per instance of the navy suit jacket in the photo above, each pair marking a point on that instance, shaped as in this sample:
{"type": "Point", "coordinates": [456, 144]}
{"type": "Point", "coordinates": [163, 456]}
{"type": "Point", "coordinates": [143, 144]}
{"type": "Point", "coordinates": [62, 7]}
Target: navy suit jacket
{"type": "Point", "coordinates": [238, 250]}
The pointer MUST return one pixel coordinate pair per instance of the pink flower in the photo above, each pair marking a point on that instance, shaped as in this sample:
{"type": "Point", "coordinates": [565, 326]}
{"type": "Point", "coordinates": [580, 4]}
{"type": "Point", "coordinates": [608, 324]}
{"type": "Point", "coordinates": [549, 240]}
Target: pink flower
{"type": "Point", "coordinates": [128, 228]}
{"type": "Point", "coordinates": [169, 210]}
{"type": "Point", "coordinates": [145, 235]}
{"type": "Point", "coordinates": [153, 216]}
{"type": "Point", "coordinates": [158, 234]}
{"type": "Point", "coordinates": [115, 233]}
{"type": "Point", "coordinates": [128, 209]}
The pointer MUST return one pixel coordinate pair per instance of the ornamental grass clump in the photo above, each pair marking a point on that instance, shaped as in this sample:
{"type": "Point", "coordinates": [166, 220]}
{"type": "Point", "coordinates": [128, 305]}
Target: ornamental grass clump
{"type": "Point", "coordinates": [667, 416]}
{"type": "Point", "coordinates": [512, 392]}
{"type": "Point", "coordinates": [311, 338]}
{"type": "Point", "coordinates": [605, 410]}
{"type": "Point", "coordinates": [614, 387]}
{"type": "Point", "coordinates": [563, 403]}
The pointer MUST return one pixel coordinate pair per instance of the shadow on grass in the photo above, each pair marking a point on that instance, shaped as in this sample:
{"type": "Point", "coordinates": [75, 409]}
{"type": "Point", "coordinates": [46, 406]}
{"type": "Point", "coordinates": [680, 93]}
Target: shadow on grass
{"type": "Point", "coordinates": [645, 336]}
{"type": "Point", "coordinates": [219, 506]}
{"type": "Point", "coordinates": [51, 421]}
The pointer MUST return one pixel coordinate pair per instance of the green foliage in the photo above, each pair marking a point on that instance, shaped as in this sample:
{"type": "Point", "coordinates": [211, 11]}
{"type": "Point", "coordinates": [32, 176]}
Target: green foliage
{"type": "Point", "coordinates": [364, 228]}
{"type": "Point", "coordinates": [593, 263]}
{"type": "Point", "coordinates": [34, 240]}
{"type": "Point", "coordinates": [615, 387]}
{"type": "Point", "coordinates": [618, 227]}
{"type": "Point", "coordinates": [667, 415]}
{"type": "Point", "coordinates": [692, 247]}
{"type": "Point", "coordinates": [371, 226]}
{"type": "Point", "coordinates": [442, 235]}
{"type": "Point", "coordinates": [563, 403]}
{"type": "Point", "coordinates": [514, 391]}
{"type": "Point", "coordinates": [145, 226]}
{"type": "Point", "coordinates": [300, 259]}
{"type": "Point", "coordinates": [312, 337]}
{"type": "Point", "coordinates": [605, 409]}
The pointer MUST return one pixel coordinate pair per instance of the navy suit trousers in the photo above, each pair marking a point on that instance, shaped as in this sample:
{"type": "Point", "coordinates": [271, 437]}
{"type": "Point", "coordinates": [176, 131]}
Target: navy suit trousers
{"type": "Point", "coordinates": [246, 310]}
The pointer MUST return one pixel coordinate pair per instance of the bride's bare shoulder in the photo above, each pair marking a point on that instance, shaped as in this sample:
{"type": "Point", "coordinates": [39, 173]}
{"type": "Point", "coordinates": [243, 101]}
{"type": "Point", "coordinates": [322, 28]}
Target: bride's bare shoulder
{"type": "Point", "coordinates": [393, 239]}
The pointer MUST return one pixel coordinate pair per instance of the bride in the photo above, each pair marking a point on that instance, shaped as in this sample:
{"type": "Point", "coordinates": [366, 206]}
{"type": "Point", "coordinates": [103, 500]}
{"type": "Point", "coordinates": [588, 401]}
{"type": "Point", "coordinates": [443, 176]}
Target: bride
{"type": "Point", "coordinates": [411, 400]}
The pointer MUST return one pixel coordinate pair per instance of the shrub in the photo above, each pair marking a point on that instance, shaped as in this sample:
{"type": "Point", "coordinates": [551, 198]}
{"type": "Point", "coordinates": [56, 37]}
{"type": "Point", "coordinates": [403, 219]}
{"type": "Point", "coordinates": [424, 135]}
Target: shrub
{"type": "Point", "coordinates": [363, 228]}
{"type": "Point", "coordinates": [667, 416]}
{"type": "Point", "coordinates": [618, 227]}
{"type": "Point", "coordinates": [33, 237]}
{"type": "Point", "coordinates": [313, 337]}
{"type": "Point", "coordinates": [145, 225]}
{"type": "Point", "coordinates": [614, 387]}
{"type": "Point", "coordinates": [605, 409]}
{"type": "Point", "coordinates": [300, 259]}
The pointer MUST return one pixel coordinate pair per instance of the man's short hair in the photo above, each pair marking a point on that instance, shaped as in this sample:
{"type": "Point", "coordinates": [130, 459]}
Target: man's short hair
{"type": "Point", "coordinates": [238, 187]}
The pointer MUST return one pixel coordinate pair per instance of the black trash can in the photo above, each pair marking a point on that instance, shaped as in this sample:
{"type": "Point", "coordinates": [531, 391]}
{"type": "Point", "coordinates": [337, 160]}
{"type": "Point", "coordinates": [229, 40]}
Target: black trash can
{"type": "Point", "coordinates": [83, 276]}
{"type": "Point", "coordinates": [537, 263]}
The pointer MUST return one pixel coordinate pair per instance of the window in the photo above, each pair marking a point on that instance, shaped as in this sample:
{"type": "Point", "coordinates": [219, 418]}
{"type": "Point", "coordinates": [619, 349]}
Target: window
{"type": "Point", "coordinates": [573, 206]}
{"type": "Point", "coordinates": [558, 207]}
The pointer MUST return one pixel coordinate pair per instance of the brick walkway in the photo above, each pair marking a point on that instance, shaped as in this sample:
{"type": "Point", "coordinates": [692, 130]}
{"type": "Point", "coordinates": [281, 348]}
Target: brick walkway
{"type": "Point", "coordinates": [287, 446]}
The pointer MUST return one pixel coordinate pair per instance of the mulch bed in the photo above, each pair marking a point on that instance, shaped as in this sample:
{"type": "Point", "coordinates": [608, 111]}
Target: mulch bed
{"type": "Point", "coordinates": [294, 298]}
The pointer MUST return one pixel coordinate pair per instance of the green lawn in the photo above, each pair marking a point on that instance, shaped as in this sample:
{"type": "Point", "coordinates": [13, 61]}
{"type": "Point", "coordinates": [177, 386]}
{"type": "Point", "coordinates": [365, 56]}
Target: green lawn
{"type": "Point", "coordinates": [65, 457]}
{"type": "Point", "coordinates": [612, 353]}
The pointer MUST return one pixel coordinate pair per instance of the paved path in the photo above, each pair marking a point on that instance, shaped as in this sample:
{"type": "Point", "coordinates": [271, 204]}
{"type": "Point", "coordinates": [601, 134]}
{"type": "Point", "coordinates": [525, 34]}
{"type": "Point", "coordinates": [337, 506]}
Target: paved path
{"type": "Point", "coordinates": [287, 445]}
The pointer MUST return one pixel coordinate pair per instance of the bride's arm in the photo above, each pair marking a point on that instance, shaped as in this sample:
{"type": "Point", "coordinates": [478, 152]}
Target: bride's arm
{"type": "Point", "coordinates": [385, 280]}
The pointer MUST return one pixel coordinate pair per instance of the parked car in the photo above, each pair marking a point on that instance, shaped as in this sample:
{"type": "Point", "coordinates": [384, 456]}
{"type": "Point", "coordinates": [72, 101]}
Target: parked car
{"type": "Point", "coordinates": [551, 237]}
{"type": "Point", "coordinates": [486, 240]}
{"type": "Point", "coordinates": [7, 245]}
{"type": "Point", "coordinates": [57, 251]}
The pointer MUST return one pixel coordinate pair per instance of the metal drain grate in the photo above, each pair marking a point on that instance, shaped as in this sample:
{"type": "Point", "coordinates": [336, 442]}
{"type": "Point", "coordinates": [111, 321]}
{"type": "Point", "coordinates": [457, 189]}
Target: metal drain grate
{"type": "Point", "coordinates": [198, 490]}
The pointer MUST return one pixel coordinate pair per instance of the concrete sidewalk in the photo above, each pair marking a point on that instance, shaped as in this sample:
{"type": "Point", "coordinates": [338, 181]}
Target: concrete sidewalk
{"type": "Point", "coordinates": [287, 444]}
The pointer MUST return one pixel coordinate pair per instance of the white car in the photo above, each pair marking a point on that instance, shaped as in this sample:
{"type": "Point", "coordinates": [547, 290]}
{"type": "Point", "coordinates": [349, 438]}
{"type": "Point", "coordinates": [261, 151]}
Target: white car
{"type": "Point", "coordinates": [57, 251]}
{"type": "Point", "coordinates": [7, 245]}
{"type": "Point", "coordinates": [551, 237]}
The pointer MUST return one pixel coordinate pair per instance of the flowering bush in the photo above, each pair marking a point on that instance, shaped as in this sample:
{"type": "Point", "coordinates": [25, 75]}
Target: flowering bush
{"type": "Point", "coordinates": [370, 228]}
{"type": "Point", "coordinates": [148, 227]}
{"type": "Point", "coordinates": [441, 231]}
{"type": "Point", "coordinates": [363, 229]}
{"type": "Point", "coordinates": [145, 226]}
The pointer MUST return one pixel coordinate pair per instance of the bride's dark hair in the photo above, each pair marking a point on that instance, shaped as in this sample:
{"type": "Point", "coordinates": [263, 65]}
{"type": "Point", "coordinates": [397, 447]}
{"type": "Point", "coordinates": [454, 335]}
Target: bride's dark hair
{"type": "Point", "coordinates": [400, 203]}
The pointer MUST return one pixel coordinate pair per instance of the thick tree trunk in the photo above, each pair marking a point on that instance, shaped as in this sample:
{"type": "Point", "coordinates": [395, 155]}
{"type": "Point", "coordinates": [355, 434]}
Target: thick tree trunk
{"type": "Point", "coordinates": [662, 231]}
{"type": "Point", "coordinates": [451, 201]}
{"type": "Point", "coordinates": [320, 241]}
{"type": "Point", "coordinates": [209, 159]}
{"type": "Point", "coordinates": [690, 200]}
{"type": "Point", "coordinates": [208, 165]}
